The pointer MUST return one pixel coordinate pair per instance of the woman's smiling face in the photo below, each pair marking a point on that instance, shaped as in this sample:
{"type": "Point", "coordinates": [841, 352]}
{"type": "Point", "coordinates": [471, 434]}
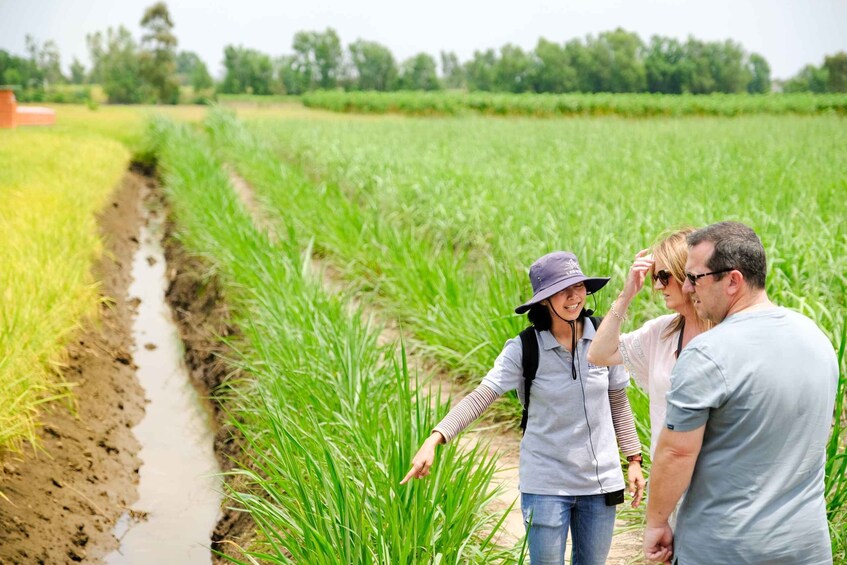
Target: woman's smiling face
{"type": "Point", "coordinates": [568, 303]}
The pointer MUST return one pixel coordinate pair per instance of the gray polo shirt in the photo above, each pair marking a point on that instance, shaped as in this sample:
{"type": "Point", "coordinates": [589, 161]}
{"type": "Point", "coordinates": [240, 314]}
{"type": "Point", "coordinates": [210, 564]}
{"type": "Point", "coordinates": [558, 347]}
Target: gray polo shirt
{"type": "Point", "coordinates": [763, 383]}
{"type": "Point", "coordinates": [569, 447]}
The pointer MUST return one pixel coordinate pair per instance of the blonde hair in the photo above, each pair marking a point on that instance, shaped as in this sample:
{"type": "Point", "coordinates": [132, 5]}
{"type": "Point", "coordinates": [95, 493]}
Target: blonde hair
{"type": "Point", "coordinates": [672, 249]}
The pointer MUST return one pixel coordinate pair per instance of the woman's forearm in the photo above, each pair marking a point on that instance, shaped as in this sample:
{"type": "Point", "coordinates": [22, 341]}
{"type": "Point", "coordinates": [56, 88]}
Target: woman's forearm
{"type": "Point", "coordinates": [604, 347]}
{"type": "Point", "coordinates": [465, 412]}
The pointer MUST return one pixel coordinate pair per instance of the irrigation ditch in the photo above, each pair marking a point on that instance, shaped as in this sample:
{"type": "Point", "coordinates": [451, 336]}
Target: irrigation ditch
{"type": "Point", "coordinates": [97, 487]}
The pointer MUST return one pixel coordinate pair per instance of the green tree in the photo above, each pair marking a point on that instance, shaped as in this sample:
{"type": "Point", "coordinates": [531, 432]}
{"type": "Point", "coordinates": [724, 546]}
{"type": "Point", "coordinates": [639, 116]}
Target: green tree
{"type": "Point", "coordinates": [374, 64]}
{"type": "Point", "coordinates": [247, 71]}
{"type": "Point", "coordinates": [836, 69]}
{"type": "Point", "coordinates": [616, 64]}
{"type": "Point", "coordinates": [419, 73]}
{"type": "Point", "coordinates": [582, 62]}
{"type": "Point", "coordinates": [192, 71]}
{"type": "Point", "coordinates": [36, 77]}
{"type": "Point", "coordinates": [513, 70]}
{"type": "Point", "coordinates": [728, 67]}
{"type": "Point", "coordinates": [11, 75]}
{"type": "Point", "coordinates": [48, 61]}
{"type": "Point", "coordinates": [665, 66]}
{"type": "Point", "coordinates": [19, 71]}
{"type": "Point", "coordinates": [552, 69]}
{"type": "Point", "coordinates": [116, 65]}
{"type": "Point", "coordinates": [293, 80]}
{"type": "Point", "coordinates": [452, 71]}
{"type": "Point", "coordinates": [318, 57]}
{"type": "Point", "coordinates": [698, 67]}
{"type": "Point", "coordinates": [77, 72]}
{"type": "Point", "coordinates": [809, 79]}
{"type": "Point", "coordinates": [158, 53]}
{"type": "Point", "coordinates": [760, 73]}
{"type": "Point", "coordinates": [481, 70]}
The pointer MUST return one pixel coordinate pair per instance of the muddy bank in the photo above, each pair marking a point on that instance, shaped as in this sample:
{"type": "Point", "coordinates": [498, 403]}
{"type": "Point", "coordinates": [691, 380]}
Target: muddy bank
{"type": "Point", "coordinates": [63, 501]}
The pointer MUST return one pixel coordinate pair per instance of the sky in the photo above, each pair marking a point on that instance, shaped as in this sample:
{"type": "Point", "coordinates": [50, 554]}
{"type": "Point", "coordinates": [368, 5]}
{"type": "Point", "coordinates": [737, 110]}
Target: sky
{"type": "Point", "coordinates": [788, 33]}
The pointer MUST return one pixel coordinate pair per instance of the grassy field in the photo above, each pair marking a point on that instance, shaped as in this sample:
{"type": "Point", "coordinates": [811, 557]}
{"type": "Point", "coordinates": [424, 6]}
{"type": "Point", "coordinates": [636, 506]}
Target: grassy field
{"type": "Point", "coordinates": [436, 219]}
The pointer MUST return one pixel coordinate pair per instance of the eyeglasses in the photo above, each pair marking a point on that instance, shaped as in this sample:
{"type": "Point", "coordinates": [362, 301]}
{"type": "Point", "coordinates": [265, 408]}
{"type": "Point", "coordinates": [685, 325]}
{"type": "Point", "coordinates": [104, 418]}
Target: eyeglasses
{"type": "Point", "coordinates": [693, 278]}
{"type": "Point", "coordinates": [663, 276]}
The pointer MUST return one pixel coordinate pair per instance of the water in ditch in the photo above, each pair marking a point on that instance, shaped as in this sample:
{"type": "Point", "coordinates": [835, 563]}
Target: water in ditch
{"type": "Point", "coordinates": [179, 487]}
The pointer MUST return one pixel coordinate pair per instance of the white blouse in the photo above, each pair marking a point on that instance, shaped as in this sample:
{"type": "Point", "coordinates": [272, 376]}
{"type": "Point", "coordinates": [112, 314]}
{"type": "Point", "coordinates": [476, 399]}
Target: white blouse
{"type": "Point", "coordinates": [649, 359]}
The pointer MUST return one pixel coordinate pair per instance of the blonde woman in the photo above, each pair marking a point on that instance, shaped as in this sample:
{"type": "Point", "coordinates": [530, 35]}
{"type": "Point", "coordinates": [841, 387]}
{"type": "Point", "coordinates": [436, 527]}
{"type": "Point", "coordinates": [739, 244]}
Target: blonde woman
{"type": "Point", "coordinates": [650, 352]}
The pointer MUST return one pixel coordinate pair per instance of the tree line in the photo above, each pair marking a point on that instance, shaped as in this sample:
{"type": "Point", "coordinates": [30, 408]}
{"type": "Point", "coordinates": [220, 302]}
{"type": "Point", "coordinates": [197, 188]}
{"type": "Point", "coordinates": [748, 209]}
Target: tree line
{"type": "Point", "coordinates": [152, 70]}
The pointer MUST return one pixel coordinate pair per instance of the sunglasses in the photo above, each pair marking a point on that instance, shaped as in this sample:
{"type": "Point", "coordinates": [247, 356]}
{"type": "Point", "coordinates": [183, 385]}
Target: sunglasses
{"type": "Point", "coordinates": [663, 276]}
{"type": "Point", "coordinates": [693, 278]}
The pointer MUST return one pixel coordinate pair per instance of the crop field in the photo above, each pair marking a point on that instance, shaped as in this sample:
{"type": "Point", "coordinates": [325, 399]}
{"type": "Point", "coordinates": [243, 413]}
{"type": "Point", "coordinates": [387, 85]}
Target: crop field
{"type": "Point", "coordinates": [47, 226]}
{"type": "Point", "coordinates": [574, 104]}
{"type": "Point", "coordinates": [52, 183]}
{"type": "Point", "coordinates": [435, 221]}
{"type": "Point", "coordinates": [427, 224]}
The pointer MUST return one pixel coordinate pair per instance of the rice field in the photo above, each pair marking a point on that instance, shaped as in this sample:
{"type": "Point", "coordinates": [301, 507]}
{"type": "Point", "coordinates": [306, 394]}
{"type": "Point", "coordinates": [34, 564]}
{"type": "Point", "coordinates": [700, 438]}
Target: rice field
{"type": "Point", "coordinates": [53, 181]}
{"type": "Point", "coordinates": [435, 220]}
{"type": "Point", "coordinates": [431, 220]}
{"type": "Point", "coordinates": [49, 234]}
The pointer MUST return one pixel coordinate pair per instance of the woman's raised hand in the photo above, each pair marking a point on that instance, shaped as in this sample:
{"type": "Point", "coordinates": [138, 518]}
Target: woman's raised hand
{"type": "Point", "coordinates": [637, 274]}
{"type": "Point", "coordinates": [423, 459]}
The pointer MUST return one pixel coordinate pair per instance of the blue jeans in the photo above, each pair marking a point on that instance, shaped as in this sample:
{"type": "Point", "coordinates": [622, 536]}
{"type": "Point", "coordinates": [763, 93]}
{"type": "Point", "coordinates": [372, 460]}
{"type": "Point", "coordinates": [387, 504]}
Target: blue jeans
{"type": "Point", "coordinates": [548, 518]}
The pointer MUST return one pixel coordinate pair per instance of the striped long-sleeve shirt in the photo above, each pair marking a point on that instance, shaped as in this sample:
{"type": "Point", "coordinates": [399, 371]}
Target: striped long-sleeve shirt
{"type": "Point", "coordinates": [474, 404]}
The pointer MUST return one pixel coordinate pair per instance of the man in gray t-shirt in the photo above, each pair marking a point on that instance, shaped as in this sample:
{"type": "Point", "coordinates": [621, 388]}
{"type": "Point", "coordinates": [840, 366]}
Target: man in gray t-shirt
{"type": "Point", "coordinates": [749, 413]}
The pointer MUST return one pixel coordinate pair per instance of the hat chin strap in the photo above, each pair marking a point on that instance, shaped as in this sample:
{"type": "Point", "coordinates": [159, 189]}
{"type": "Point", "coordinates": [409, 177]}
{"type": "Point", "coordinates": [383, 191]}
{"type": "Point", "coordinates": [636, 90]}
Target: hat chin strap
{"type": "Point", "coordinates": [573, 340]}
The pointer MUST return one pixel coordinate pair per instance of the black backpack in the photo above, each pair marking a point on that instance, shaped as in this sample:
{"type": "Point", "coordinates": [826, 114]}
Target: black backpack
{"type": "Point", "coordinates": [529, 349]}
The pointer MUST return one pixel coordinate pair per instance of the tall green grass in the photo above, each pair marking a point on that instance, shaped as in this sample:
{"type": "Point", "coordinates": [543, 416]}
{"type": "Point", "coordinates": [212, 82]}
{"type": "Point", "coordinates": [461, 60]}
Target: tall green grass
{"type": "Point", "coordinates": [329, 417]}
{"type": "Point", "coordinates": [437, 219]}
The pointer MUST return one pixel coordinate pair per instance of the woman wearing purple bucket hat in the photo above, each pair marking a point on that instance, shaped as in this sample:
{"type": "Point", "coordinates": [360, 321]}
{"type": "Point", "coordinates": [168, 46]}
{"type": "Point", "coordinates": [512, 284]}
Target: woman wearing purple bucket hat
{"type": "Point", "coordinates": [570, 473]}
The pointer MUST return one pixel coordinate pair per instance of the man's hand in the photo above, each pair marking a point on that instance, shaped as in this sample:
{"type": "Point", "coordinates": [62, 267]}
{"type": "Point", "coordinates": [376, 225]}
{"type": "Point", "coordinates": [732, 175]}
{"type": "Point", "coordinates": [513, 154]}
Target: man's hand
{"type": "Point", "coordinates": [658, 543]}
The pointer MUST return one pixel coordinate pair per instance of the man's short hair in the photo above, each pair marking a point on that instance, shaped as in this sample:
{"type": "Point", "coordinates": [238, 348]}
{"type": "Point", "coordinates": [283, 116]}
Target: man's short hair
{"type": "Point", "coordinates": [736, 247]}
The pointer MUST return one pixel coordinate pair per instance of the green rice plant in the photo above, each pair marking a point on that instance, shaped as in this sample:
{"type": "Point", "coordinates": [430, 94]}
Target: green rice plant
{"type": "Point", "coordinates": [437, 219]}
{"type": "Point", "coordinates": [836, 453]}
{"type": "Point", "coordinates": [329, 418]}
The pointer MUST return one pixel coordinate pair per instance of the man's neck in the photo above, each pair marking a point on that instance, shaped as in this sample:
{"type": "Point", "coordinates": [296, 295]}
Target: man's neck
{"type": "Point", "coordinates": [756, 300]}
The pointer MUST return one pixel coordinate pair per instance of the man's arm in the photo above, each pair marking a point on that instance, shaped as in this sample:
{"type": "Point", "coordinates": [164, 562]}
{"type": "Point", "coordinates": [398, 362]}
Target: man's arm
{"type": "Point", "coordinates": [673, 465]}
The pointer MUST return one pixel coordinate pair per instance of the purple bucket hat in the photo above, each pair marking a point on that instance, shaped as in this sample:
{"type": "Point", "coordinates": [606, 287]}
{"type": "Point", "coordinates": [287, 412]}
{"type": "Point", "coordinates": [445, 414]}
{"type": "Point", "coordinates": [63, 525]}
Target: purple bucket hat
{"type": "Point", "coordinates": [554, 272]}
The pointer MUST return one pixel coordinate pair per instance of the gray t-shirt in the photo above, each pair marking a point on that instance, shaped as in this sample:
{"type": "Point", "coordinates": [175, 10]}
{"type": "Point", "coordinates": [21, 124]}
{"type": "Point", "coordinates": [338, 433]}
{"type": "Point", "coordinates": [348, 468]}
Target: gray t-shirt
{"type": "Point", "coordinates": [569, 447]}
{"type": "Point", "coordinates": [763, 383]}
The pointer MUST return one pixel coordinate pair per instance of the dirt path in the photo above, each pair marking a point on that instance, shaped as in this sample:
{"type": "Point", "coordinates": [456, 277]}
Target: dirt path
{"type": "Point", "coordinates": [626, 547]}
{"type": "Point", "coordinates": [64, 500]}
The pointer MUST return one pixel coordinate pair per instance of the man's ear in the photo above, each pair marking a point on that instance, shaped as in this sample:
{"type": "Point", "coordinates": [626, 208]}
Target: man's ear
{"type": "Point", "coordinates": [736, 281]}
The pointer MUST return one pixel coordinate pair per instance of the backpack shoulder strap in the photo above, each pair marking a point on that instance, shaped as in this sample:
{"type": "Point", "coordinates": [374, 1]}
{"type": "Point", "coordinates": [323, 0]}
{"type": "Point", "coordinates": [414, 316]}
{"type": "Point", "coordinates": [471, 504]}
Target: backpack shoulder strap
{"type": "Point", "coordinates": [529, 356]}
